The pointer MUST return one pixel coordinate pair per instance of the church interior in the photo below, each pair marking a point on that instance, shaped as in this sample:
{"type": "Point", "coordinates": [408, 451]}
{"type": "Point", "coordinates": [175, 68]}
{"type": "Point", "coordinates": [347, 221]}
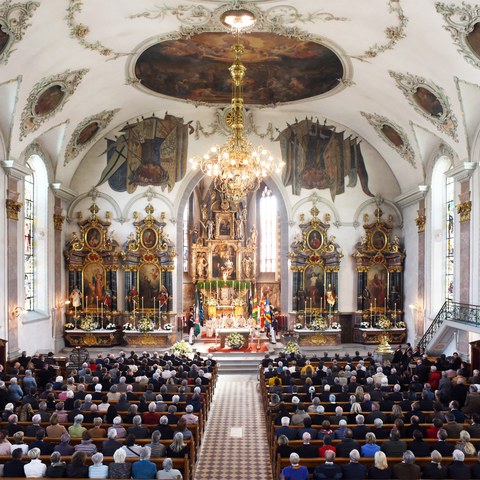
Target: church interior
{"type": "Point", "coordinates": [239, 178]}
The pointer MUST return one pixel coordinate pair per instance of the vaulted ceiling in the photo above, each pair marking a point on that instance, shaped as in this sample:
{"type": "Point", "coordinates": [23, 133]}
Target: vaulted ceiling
{"type": "Point", "coordinates": [402, 74]}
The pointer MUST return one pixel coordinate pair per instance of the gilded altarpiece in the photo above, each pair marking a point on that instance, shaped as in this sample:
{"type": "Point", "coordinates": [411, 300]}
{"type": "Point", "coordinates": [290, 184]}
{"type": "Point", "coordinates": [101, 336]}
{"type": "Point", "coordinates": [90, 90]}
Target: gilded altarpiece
{"type": "Point", "coordinates": [223, 260]}
{"type": "Point", "coordinates": [148, 261]}
{"type": "Point", "coordinates": [379, 262]}
{"type": "Point", "coordinates": [92, 259]}
{"type": "Point", "coordinates": [315, 262]}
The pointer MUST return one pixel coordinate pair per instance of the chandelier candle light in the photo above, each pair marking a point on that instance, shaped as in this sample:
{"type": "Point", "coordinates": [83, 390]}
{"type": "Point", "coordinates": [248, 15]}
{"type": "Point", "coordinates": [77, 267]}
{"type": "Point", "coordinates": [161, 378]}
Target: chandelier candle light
{"type": "Point", "coordinates": [237, 167]}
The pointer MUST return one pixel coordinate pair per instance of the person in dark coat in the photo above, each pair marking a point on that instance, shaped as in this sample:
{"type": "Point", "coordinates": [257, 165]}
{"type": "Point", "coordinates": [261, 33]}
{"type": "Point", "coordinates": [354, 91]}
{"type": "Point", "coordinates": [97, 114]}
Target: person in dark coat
{"type": "Point", "coordinates": [347, 445]}
{"type": "Point", "coordinates": [354, 470]}
{"type": "Point", "coordinates": [407, 470]}
{"type": "Point", "coordinates": [435, 469]}
{"type": "Point", "coordinates": [57, 468]}
{"type": "Point", "coordinates": [457, 469]}
{"type": "Point", "coordinates": [14, 467]}
{"type": "Point", "coordinates": [328, 469]}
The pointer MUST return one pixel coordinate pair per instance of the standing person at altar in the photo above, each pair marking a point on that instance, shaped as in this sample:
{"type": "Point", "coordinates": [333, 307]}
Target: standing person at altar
{"type": "Point", "coordinates": [273, 325]}
{"type": "Point", "coordinates": [267, 315]}
{"type": "Point", "coordinates": [191, 326]}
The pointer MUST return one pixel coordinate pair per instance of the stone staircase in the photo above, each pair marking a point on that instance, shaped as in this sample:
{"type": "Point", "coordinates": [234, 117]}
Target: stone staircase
{"type": "Point", "coordinates": [237, 363]}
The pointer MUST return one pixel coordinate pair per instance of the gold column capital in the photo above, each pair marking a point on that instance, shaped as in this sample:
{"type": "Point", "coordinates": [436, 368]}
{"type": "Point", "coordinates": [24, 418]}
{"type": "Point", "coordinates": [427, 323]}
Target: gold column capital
{"type": "Point", "coordinates": [58, 221]}
{"type": "Point", "coordinates": [420, 221]}
{"type": "Point", "coordinates": [13, 208]}
{"type": "Point", "coordinates": [464, 210]}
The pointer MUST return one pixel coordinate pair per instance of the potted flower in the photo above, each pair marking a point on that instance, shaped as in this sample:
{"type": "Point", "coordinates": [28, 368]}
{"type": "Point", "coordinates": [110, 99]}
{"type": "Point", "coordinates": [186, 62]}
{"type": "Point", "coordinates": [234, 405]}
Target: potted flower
{"type": "Point", "coordinates": [127, 326]}
{"type": "Point", "coordinates": [318, 323]}
{"type": "Point", "coordinates": [111, 326]}
{"type": "Point", "coordinates": [182, 348]}
{"type": "Point", "coordinates": [365, 325]}
{"type": "Point", "coordinates": [167, 326]}
{"type": "Point", "coordinates": [238, 303]}
{"type": "Point", "coordinates": [299, 326]}
{"type": "Point", "coordinates": [69, 326]}
{"type": "Point", "coordinates": [211, 304]}
{"type": "Point", "coordinates": [145, 325]}
{"type": "Point", "coordinates": [87, 323]}
{"type": "Point", "coordinates": [335, 326]}
{"type": "Point", "coordinates": [235, 340]}
{"type": "Point", "coordinates": [400, 324]}
{"type": "Point", "coordinates": [292, 348]}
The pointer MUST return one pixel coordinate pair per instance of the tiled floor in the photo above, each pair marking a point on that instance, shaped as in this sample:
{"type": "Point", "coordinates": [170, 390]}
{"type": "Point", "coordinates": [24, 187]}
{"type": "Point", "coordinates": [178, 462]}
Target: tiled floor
{"type": "Point", "coordinates": [234, 444]}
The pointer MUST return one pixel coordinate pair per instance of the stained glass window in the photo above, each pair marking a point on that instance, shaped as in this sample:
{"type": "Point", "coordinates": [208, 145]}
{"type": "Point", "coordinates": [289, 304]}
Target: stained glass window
{"type": "Point", "coordinates": [186, 238]}
{"type": "Point", "coordinates": [29, 242]}
{"type": "Point", "coordinates": [268, 231]}
{"type": "Point", "coordinates": [450, 238]}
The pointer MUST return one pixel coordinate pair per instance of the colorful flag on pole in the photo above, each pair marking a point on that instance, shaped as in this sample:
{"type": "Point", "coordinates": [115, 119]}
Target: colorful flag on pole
{"type": "Point", "coordinates": [268, 312]}
{"type": "Point", "coordinates": [199, 316]}
{"type": "Point", "coordinates": [255, 306]}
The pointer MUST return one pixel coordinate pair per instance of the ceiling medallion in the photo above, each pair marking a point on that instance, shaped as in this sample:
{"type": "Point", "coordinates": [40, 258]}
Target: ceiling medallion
{"type": "Point", "coordinates": [47, 98]}
{"type": "Point", "coordinates": [393, 135]}
{"type": "Point", "coordinates": [429, 100]}
{"type": "Point", "coordinates": [237, 167]}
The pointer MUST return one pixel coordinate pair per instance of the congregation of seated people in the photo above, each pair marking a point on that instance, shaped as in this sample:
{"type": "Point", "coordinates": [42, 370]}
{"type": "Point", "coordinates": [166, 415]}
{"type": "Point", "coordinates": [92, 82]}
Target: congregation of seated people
{"type": "Point", "coordinates": [128, 409]}
{"type": "Point", "coordinates": [354, 417]}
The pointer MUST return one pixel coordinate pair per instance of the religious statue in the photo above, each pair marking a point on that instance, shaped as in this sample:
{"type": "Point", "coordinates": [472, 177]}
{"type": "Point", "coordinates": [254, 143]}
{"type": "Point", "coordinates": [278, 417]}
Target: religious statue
{"type": "Point", "coordinates": [203, 211]}
{"type": "Point", "coordinates": [132, 299]}
{"type": "Point", "coordinates": [162, 298]}
{"type": "Point", "coordinates": [247, 264]}
{"type": "Point", "coordinates": [76, 297]}
{"type": "Point", "coordinates": [194, 234]}
{"type": "Point", "coordinates": [201, 266]}
{"type": "Point", "coordinates": [210, 226]}
{"type": "Point", "coordinates": [239, 229]}
{"type": "Point", "coordinates": [253, 236]}
{"type": "Point", "coordinates": [108, 300]}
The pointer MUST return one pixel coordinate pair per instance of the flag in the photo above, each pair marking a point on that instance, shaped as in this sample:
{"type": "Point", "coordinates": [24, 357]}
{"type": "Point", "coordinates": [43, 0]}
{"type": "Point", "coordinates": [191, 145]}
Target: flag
{"type": "Point", "coordinates": [268, 312]}
{"type": "Point", "coordinates": [255, 306]}
{"type": "Point", "coordinates": [198, 313]}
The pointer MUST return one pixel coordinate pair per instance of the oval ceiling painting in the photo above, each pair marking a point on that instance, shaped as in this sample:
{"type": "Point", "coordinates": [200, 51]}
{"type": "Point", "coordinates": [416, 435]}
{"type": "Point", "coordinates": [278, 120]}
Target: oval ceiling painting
{"type": "Point", "coordinates": [4, 38]}
{"type": "Point", "coordinates": [279, 69]}
{"type": "Point", "coordinates": [49, 100]}
{"type": "Point", "coordinates": [428, 101]}
{"type": "Point", "coordinates": [473, 39]}
{"type": "Point", "coordinates": [392, 135]}
{"type": "Point", "coordinates": [87, 133]}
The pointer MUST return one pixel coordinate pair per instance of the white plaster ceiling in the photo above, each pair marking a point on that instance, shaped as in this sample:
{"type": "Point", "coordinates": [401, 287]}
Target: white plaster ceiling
{"type": "Point", "coordinates": [356, 27]}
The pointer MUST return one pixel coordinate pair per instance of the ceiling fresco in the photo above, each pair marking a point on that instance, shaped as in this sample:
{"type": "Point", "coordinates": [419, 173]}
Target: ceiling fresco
{"type": "Point", "coordinates": [279, 69]}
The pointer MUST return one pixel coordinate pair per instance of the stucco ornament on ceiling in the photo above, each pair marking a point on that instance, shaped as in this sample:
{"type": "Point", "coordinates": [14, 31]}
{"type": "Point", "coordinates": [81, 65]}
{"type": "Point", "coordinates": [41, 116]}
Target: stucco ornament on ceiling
{"type": "Point", "coordinates": [463, 23]}
{"type": "Point", "coordinates": [79, 31]}
{"type": "Point", "coordinates": [47, 98]}
{"type": "Point", "coordinates": [221, 126]}
{"type": "Point", "coordinates": [13, 23]}
{"type": "Point", "coordinates": [393, 135]}
{"type": "Point", "coordinates": [429, 100]}
{"type": "Point", "coordinates": [87, 132]}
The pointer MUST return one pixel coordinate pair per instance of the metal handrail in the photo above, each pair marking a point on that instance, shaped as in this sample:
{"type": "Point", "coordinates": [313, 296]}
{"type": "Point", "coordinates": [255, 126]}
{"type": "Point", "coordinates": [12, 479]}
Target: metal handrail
{"type": "Point", "coordinates": [454, 312]}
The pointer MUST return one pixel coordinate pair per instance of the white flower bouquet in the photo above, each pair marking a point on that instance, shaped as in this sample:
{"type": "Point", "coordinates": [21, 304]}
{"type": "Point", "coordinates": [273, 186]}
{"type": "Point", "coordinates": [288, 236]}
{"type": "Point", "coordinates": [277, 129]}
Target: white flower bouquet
{"type": "Point", "coordinates": [127, 326]}
{"type": "Point", "coordinates": [400, 324]}
{"type": "Point", "coordinates": [145, 325]}
{"type": "Point", "coordinates": [235, 340]}
{"type": "Point", "coordinates": [182, 348]}
{"type": "Point", "coordinates": [299, 326]}
{"type": "Point", "coordinates": [292, 347]}
{"type": "Point", "coordinates": [365, 325]}
{"type": "Point", "coordinates": [111, 326]}
{"type": "Point", "coordinates": [167, 326]}
{"type": "Point", "coordinates": [318, 323]}
{"type": "Point", "coordinates": [238, 302]}
{"type": "Point", "coordinates": [87, 323]}
{"type": "Point", "coordinates": [69, 326]}
{"type": "Point", "coordinates": [335, 326]}
{"type": "Point", "coordinates": [384, 322]}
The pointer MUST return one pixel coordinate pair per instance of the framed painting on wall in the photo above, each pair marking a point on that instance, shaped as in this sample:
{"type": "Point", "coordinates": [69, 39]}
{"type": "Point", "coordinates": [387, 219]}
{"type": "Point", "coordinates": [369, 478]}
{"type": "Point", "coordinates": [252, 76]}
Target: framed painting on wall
{"type": "Point", "coordinates": [149, 276]}
{"type": "Point", "coordinates": [94, 281]}
{"type": "Point", "coordinates": [314, 282]}
{"type": "Point", "coordinates": [377, 285]}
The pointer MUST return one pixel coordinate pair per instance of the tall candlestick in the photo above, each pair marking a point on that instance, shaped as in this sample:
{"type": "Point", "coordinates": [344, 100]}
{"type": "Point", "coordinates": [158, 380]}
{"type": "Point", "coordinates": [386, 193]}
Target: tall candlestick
{"type": "Point", "coordinates": [86, 302]}
{"type": "Point", "coordinates": [310, 304]}
{"type": "Point", "coordinates": [385, 304]}
{"type": "Point", "coordinates": [371, 315]}
{"type": "Point", "coordinates": [97, 306]}
{"type": "Point", "coordinates": [153, 309]}
{"type": "Point", "coordinates": [143, 310]}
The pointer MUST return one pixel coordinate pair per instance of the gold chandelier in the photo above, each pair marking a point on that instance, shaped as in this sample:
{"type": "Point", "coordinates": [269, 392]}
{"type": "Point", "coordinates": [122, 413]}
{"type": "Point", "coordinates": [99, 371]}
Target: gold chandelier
{"type": "Point", "coordinates": [237, 167]}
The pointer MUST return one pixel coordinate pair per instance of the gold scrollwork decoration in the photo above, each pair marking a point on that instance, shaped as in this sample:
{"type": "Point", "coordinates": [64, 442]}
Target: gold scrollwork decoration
{"type": "Point", "coordinates": [13, 208]}
{"type": "Point", "coordinates": [58, 221]}
{"type": "Point", "coordinates": [464, 210]}
{"type": "Point", "coordinates": [420, 222]}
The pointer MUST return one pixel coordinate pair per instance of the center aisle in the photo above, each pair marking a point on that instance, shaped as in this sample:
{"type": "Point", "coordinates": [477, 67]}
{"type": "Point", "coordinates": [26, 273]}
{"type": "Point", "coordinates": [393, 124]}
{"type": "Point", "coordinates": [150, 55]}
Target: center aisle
{"type": "Point", "coordinates": [234, 446]}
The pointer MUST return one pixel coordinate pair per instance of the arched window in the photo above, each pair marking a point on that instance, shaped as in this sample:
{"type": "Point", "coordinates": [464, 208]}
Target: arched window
{"type": "Point", "coordinates": [35, 238]}
{"type": "Point", "coordinates": [268, 232]}
{"type": "Point", "coordinates": [442, 234]}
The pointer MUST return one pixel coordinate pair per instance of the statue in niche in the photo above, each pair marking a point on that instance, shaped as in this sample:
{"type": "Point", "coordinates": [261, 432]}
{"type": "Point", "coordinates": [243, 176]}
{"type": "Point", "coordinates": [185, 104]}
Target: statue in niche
{"type": "Point", "coordinates": [210, 228]}
{"type": "Point", "coordinates": [201, 265]}
{"type": "Point", "coordinates": [247, 264]}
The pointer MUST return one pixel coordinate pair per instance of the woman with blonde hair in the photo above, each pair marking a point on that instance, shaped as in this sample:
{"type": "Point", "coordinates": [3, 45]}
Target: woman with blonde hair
{"type": "Point", "coordinates": [396, 413]}
{"type": "Point", "coordinates": [359, 394]}
{"type": "Point", "coordinates": [435, 469]}
{"type": "Point", "coordinates": [380, 467]}
{"type": "Point", "coordinates": [465, 445]}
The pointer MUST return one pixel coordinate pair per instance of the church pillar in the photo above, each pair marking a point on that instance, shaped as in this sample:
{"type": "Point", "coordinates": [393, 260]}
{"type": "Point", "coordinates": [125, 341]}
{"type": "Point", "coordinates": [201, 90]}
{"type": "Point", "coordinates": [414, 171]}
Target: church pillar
{"type": "Point", "coordinates": [418, 313]}
{"type": "Point", "coordinates": [59, 310]}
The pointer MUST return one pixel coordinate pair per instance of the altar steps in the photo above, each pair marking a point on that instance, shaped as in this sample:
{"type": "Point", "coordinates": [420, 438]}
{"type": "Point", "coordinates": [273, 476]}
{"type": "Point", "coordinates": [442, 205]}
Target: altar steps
{"type": "Point", "coordinates": [237, 363]}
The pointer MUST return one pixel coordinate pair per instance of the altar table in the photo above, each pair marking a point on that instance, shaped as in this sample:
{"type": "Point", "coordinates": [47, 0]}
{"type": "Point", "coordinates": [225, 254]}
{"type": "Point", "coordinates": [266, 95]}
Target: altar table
{"type": "Point", "coordinates": [316, 338]}
{"type": "Point", "coordinates": [223, 333]}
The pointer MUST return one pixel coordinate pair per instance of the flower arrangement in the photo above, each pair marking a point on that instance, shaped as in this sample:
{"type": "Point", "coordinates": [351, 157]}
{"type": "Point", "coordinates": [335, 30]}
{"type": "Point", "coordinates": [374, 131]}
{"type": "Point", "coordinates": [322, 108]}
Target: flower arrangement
{"type": "Point", "coordinates": [384, 322]}
{"type": "Point", "coordinates": [299, 326]}
{"type": "Point", "coordinates": [318, 323]}
{"type": "Point", "coordinates": [69, 326]}
{"type": "Point", "coordinates": [145, 325]}
{"type": "Point", "coordinates": [335, 326]}
{"type": "Point", "coordinates": [238, 302]}
{"type": "Point", "coordinates": [167, 326]}
{"type": "Point", "coordinates": [292, 347]}
{"type": "Point", "coordinates": [87, 323]}
{"type": "Point", "coordinates": [111, 326]}
{"type": "Point", "coordinates": [127, 326]}
{"type": "Point", "coordinates": [235, 340]}
{"type": "Point", "coordinates": [182, 348]}
{"type": "Point", "coordinates": [400, 324]}
{"type": "Point", "coordinates": [365, 325]}
{"type": "Point", "coordinates": [211, 302]}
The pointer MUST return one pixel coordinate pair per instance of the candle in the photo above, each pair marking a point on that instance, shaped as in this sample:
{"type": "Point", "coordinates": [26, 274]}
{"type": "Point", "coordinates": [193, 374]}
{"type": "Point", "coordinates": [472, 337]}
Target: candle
{"type": "Point", "coordinates": [154, 309]}
{"type": "Point", "coordinates": [310, 303]}
{"type": "Point", "coordinates": [142, 306]}
{"type": "Point", "coordinates": [86, 302]}
{"type": "Point", "coordinates": [385, 304]}
{"type": "Point", "coordinates": [97, 305]}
